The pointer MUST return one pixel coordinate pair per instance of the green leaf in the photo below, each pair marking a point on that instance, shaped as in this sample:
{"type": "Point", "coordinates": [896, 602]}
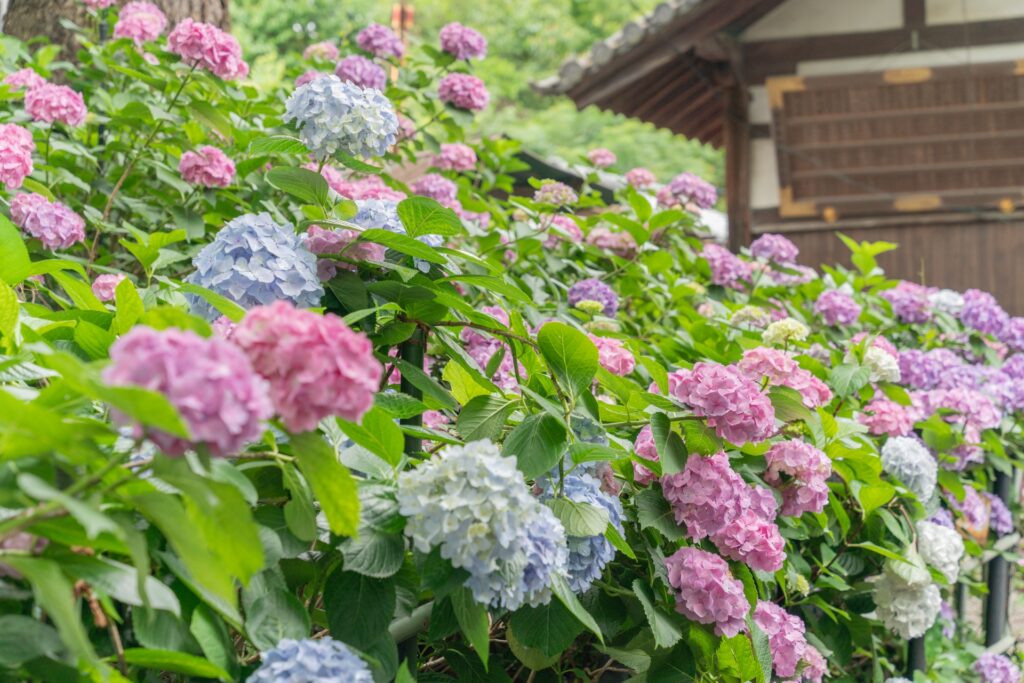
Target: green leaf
{"type": "Point", "coordinates": [465, 385]}
{"type": "Point", "coordinates": [213, 637]}
{"type": "Point", "coordinates": [213, 117]}
{"type": "Point", "coordinates": [473, 621]}
{"type": "Point", "coordinates": [120, 581]}
{"type": "Point", "coordinates": [8, 311]}
{"type": "Point", "coordinates": [654, 512]}
{"type": "Point", "coordinates": [736, 657]}
{"type": "Point", "coordinates": [664, 627]}
{"type": "Point", "coordinates": [789, 404]}
{"type": "Point", "coordinates": [581, 452]}
{"type": "Point", "coordinates": [425, 216]}
{"type": "Point", "coordinates": [93, 339]}
{"type": "Point", "coordinates": [374, 553]}
{"type": "Point", "coordinates": [496, 285]}
{"type": "Point", "coordinates": [309, 187]}
{"type": "Point", "coordinates": [15, 264]}
{"type": "Point", "coordinates": [579, 519]}
{"type": "Point", "coordinates": [92, 520]}
{"type": "Point", "coordinates": [173, 662]}
{"type": "Point", "coordinates": [224, 305]}
{"type": "Point", "coordinates": [404, 244]}
{"type": "Point", "coordinates": [762, 649]}
{"type": "Point", "coordinates": [129, 306]}
{"type": "Point", "coordinates": [537, 443]}
{"type": "Point", "coordinates": [331, 481]}
{"type": "Point", "coordinates": [671, 451]}
{"type": "Point", "coordinates": [560, 587]}
{"type": "Point", "coordinates": [847, 378]}
{"type": "Point", "coordinates": [533, 658]}
{"type": "Point", "coordinates": [571, 356]}
{"type": "Point", "coordinates": [23, 638]}
{"type": "Point", "coordinates": [78, 291]}
{"type": "Point", "coordinates": [359, 608]}
{"type": "Point", "coordinates": [433, 393]}
{"type": "Point", "coordinates": [278, 144]}
{"type": "Point", "coordinates": [700, 438]}
{"type": "Point", "coordinates": [274, 616]}
{"type": "Point", "coordinates": [616, 539]}
{"type": "Point", "coordinates": [549, 628]}
{"type": "Point", "coordinates": [483, 417]}
{"type": "Point", "coordinates": [378, 434]}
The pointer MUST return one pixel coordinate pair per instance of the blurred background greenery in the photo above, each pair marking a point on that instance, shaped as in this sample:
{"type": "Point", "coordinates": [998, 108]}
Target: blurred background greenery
{"type": "Point", "coordinates": [528, 39]}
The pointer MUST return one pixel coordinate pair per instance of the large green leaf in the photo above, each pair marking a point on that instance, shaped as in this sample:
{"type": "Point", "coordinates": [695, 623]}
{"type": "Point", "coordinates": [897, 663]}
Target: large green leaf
{"type": "Point", "coordinates": [579, 519]}
{"type": "Point", "coordinates": [550, 628]}
{"type": "Point", "coordinates": [671, 451]}
{"type": "Point", "coordinates": [309, 187]}
{"type": "Point", "coordinates": [174, 662]}
{"type": "Point", "coordinates": [359, 608]}
{"type": "Point", "coordinates": [560, 587]}
{"type": "Point", "coordinates": [14, 262]}
{"type": "Point", "coordinates": [274, 616]}
{"type": "Point", "coordinates": [425, 216]}
{"type": "Point", "coordinates": [331, 481]}
{"type": "Point", "coordinates": [483, 417]}
{"type": "Point", "coordinates": [8, 311]}
{"type": "Point", "coordinates": [571, 356]}
{"type": "Point", "coordinates": [473, 621]}
{"type": "Point", "coordinates": [378, 434]}
{"type": "Point", "coordinates": [23, 638]}
{"type": "Point", "coordinates": [278, 144]}
{"type": "Point", "coordinates": [129, 306]}
{"type": "Point", "coordinates": [404, 244]}
{"type": "Point", "coordinates": [665, 627]}
{"type": "Point", "coordinates": [537, 443]}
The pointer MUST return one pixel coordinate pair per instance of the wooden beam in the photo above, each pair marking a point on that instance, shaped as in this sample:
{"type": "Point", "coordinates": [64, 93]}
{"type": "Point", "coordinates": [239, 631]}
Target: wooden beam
{"type": "Point", "coordinates": [736, 136]}
{"type": "Point", "coordinates": [671, 110]}
{"type": "Point", "coordinates": [913, 13]}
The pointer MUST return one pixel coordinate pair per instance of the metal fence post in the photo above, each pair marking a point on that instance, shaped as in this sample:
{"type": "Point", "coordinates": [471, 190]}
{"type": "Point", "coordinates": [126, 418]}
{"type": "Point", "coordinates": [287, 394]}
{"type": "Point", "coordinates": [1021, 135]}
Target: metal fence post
{"type": "Point", "coordinates": [916, 658]}
{"type": "Point", "coordinates": [412, 351]}
{"type": "Point", "coordinates": [997, 601]}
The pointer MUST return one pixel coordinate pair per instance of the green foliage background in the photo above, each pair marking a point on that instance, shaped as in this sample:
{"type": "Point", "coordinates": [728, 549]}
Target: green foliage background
{"type": "Point", "coordinates": [528, 40]}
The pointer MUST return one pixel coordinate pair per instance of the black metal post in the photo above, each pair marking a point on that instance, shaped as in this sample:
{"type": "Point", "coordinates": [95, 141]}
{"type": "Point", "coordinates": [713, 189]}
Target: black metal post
{"type": "Point", "coordinates": [916, 659]}
{"type": "Point", "coordinates": [997, 601]}
{"type": "Point", "coordinates": [412, 351]}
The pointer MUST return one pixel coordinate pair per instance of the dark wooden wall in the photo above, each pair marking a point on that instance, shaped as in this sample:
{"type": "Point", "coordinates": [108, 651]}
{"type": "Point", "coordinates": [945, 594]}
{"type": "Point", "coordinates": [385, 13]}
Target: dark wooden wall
{"type": "Point", "coordinates": [985, 255]}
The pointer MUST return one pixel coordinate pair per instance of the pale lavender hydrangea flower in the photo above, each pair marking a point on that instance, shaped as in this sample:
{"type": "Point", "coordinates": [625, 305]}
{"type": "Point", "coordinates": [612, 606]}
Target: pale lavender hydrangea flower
{"type": "Point", "coordinates": [1000, 518]}
{"type": "Point", "coordinates": [436, 187]}
{"type": "Point", "coordinates": [362, 72]}
{"type": "Point", "coordinates": [687, 187]}
{"type": "Point", "coordinates": [983, 313]}
{"type": "Point", "coordinates": [254, 261]}
{"type": "Point", "coordinates": [837, 308]}
{"type": "Point", "coordinates": [996, 668]}
{"type": "Point", "coordinates": [593, 289]}
{"type": "Point", "coordinates": [909, 302]}
{"type": "Point", "coordinates": [383, 214]}
{"type": "Point", "coordinates": [323, 660]}
{"type": "Point", "coordinates": [380, 41]}
{"type": "Point", "coordinates": [334, 116]}
{"type": "Point", "coordinates": [909, 461]}
{"type": "Point", "coordinates": [554, 192]}
{"type": "Point", "coordinates": [773, 247]}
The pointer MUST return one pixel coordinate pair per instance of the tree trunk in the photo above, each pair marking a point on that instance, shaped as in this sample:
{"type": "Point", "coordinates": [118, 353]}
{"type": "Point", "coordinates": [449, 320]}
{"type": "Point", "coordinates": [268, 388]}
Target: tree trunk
{"type": "Point", "coordinates": [27, 19]}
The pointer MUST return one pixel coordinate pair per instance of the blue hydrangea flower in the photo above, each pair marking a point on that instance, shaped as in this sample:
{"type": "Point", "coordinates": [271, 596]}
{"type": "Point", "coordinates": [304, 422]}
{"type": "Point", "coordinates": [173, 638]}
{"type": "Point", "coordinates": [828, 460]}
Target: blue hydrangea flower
{"type": "Point", "coordinates": [334, 115]}
{"type": "Point", "coordinates": [254, 261]}
{"type": "Point", "coordinates": [383, 214]}
{"type": "Point", "coordinates": [472, 503]}
{"type": "Point", "coordinates": [593, 289]}
{"type": "Point", "coordinates": [588, 555]}
{"type": "Point", "coordinates": [311, 661]}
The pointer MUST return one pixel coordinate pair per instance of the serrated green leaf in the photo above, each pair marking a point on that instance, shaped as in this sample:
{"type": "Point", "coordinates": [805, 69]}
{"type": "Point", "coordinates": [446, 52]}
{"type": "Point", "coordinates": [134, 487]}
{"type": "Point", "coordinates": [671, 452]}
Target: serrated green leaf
{"type": "Point", "coordinates": [569, 353]}
{"type": "Point", "coordinates": [537, 443]}
{"type": "Point", "coordinates": [425, 216]}
{"type": "Point", "coordinates": [331, 481]}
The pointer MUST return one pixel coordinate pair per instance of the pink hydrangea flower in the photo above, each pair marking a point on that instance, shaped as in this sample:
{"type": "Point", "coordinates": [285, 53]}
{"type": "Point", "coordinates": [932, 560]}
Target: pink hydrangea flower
{"type": "Point", "coordinates": [320, 241]}
{"type": "Point", "coordinates": [361, 71]}
{"type": "Point", "coordinates": [562, 224]}
{"type": "Point", "coordinates": [706, 591]}
{"type": "Point", "coordinates": [462, 41]}
{"type": "Point", "coordinates": [224, 327]}
{"type": "Point", "coordinates": [727, 269]}
{"type": "Point", "coordinates": [210, 381]}
{"type": "Point", "coordinates": [406, 127]}
{"type": "Point", "coordinates": [645, 448]}
{"type": "Point", "coordinates": [878, 342]}
{"type": "Point", "coordinates": [209, 167]}
{"type": "Point", "coordinates": [308, 77]}
{"type": "Point", "coordinates": [380, 41]}
{"type": "Point", "coordinates": [437, 187]}
{"type": "Point", "coordinates": [753, 540]}
{"type": "Point", "coordinates": [105, 286]}
{"type": "Point", "coordinates": [316, 366]}
{"type": "Point", "coordinates": [206, 46]}
{"type": "Point", "coordinates": [837, 308]}
{"type": "Point", "coordinates": [140, 21]}
{"type": "Point", "coordinates": [731, 403]}
{"type": "Point", "coordinates": [24, 78]}
{"type": "Point", "coordinates": [613, 355]}
{"type": "Point", "coordinates": [706, 495]}
{"type": "Point", "coordinates": [799, 471]}
{"type": "Point", "coordinates": [812, 390]}
{"type": "Point", "coordinates": [455, 157]}
{"type": "Point", "coordinates": [51, 103]}
{"type": "Point", "coordinates": [789, 647]}
{"type": "Point", "coordinates": [98, 4]}
{"type": "Point", "coordinates": [372, 187]}
{"type": "Point", "coordinates": [16, 147]}
{"type": "Point", "coordinates": [324, 51]}
{"type": "Point", "coordinates": [435, 419]}
{"type": "Point", "coordinates": [471, 337]}
{"type": "Point", "coordinates": [620, 243]}
{"type": "Point", "coordinates": [640, 178]}
{"type": "Point", "coordinates": [52, 223]}
{"type": "Point", "coordinates": [780, 369]}
{"type": "Point", "coordinates": [601, 157]}
{"type": "Point", "coordinates": [883, 416]}
{"type": "Point", "coordinates": [463, 91]}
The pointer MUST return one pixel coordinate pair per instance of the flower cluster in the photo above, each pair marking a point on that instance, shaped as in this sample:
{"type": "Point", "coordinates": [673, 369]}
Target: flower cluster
{"type": "Point", "coordinates": [311, 661]}
{"type": "Point", "coordinates": [324, 51]}
{"type": "Point", "coordinates": [211, 383]}
{"type": "Point", "coordinates": [941, 547]}
{"type": "Point", "coordinates": [706, 591]}
{"type": "Point", "coordinates": [206, 46]}
{"type": "Point", "coordinates": [884, 416]}
{"type": "Point", "coordinates": [380, 41]}
{"type": "Point", "coordinates": [51, 103]}
{"type": "Point", "coordinates": [594, 290]}
{"type": "Point", "coordinates": [471, 502]}
{"type": "Point", "coordinates": [482, 348]}
{"type": "Point", "coordinates": [601, 157]}
{"type": "Point", "coordinates": [906, 600]}
{"type": "Point", "coordinates": [783, 332]}
{"type": "Point", "coordinates": [16, 147]}
{"type": "Point", "coordinates": [837, 308]}
{"type": "Point", "coordinates": [254, 261]}
{"type": "Point", "coordinates": [729, 401]}
{"type": "Point", "coordinates": [436, 187]}
{"type": "Point", "coordinates": [779, 369]}
{"type": "Point", "coordinates": [1000, 517]}
{"type": "Point", "coordinates": [462, 42]}
{"type": "Point", "coordinates": [789, 648]}
{"type": "Point", "coordinates": [362, 72]}
{"type": "Point", "coordinates": [645, 448]}
{"type": "Point", "coordinates": [640, 178]}
{"type": "Point", "coordinates": [981, 311]}
{"type": "Point", "coordinates": [554, 192]}
{"type": "Point", "coordinates": [613, 355]}
{"type": "Point", "coordinates": [686, 188]}
{"type": "Point", "coordinates": [24, 78]}
{"type": "Point", "coordinates": [560, 228]}
{"type": "Point", "coordinates": [773, 247]}
{"type": "Point", "coordinates": [799, 471]}
{"type": "Point", "coordinates": [209, 167]}
{"type": "Point", "coordinates": [52, 223]}
{"type": "Point", "coordinates": [908, 460]}
{"type": "Point", "coordinates": [336, 116]}
{"type": "Point", "coordinates": [910, 302]}
{"type": "Point", "coordinates": [463, 91]}
{"type": "Point", "coordinates": [105, 286]}
{"type": "Point", "coordinates": [455, 156]}
{"type": "Point", "coordinates": [334, 242]}
{"type": "Point", "coordinates": [996, 668]}
{"type": "Point", "coordinates": [141, 22]}
{"type": "Point", "coordinates": [619, 242]}
{"type": "Point", "coordinates": [726, 268]}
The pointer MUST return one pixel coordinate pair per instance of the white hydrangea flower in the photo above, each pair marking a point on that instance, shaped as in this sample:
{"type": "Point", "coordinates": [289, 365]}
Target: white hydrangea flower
{"type": "Point", "coordinates": [333, 116]}
{"type": "Point", "coordinates": [941, 547]}
{"type": "Point", "coordinates": [906, 600]}
{"type": "Point", "coordinates": [946, 301]}
{"type": "Point", "coordinates": [786, 330]}
{"type": "Point", "coordinates": [898, 679]}
{"type": "Point", "coordinates": [909, 461]}
{"type": "Point", "coordinates": [883, 366]}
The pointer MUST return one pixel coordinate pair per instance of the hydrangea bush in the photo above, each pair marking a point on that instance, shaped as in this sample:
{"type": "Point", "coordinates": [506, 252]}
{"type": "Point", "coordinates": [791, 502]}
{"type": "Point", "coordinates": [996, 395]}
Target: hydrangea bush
{"type": "Point", "coordinates": [278, 408]}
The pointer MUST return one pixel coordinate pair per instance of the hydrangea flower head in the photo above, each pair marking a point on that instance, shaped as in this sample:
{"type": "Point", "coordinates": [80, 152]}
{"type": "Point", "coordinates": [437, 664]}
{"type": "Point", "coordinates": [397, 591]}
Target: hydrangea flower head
{"type": "Point", "coordinates": [462, 42]}
{"type": "Point", "coordinates": [706, 591]}
{"type": "Point", "coordinates": [206, 46]}
{"type": "Point", "coordinates": [463, 91]}
{"type": "Point", "coordinates": [315, 365]}
{"type": "Point", "coordinates": [472, 503]}
{"type": "Point", "coordinates": [24, 78]}
{"type": "Point", "coordinates": [884, 416]}
{"type": "Point", "coordinates": [906, 600]}
{"type": "Point", "coordinates": [753, 540]}
{"type": "Point", "coordinates": [910, 462]}
{"type": "Point", "coordinates": [254, 261]}
{"type": "Point", "coordinates": [362, 72]}
{"type": "Point", "coordinates": [941, 547]}
{"type": "Point", "coordinates": [335, 116]}
{"type": "Point", "coordinates": [222, 401]}
{"type": "Point", "coordinates": [209, 167]}
{"type": "Point", "coordinates": [800, 471]}
{"type": "Point", "coordinates": [554, 192]}
{"type": "Point", "coordinates": [927, 369]}
{"type": "Point", "coordinates": [773, 247]}
{"type": "Point", "coordinates": [436, 187]}
{"type": "Point", "coordinates": [727, 269]}
{"type": "Point", "coordinates": [593, 289]}
{"type": "Point", "coordinates": [640, 178]}
{"type": "Point", "coordinates": [785, 631]}
{"type": "Point", "coordinates": [996, 668]}
{"type": "Point", "coordinates": [378, 213]}
{"type": "Point", "coordinates": [601, 157]}
{"type": "Point", "coordinates": [380, 41]}
{"type": "Point", "coordinates": [837, 308]}
{"type": "Point", "coordinates": [561, 226]}
{"type": "Point", "coordinates": [619, 242]}
{"type": "Point", "coordinates": [707, 495]}
{"type": "Point", "coordinates": [308, 76]}
{"type": "Point", "coordinates": [729, 401]}
{"type": "Point", "coordinates": [324, 51]}
{"type": "Point", "coordinates": [52, 223]}
{"type": "Point", "coordinates": [983, 313]}
{"type": "Point", "coordinates": [16, 147]}
{"type": "Point", "coordinates": [331, 242]}
{"type": "Point", "coordinates": [320, 660]}
{"type": "Point", "coordinates": [588, 555]}
{"type": "Point", "coordinates": [946, 301]}
{"type": "Point", "coordinates": [613, 355]}
{"type": "Point", "coordinates": [883, 366]}
{"type": "Point", "coordinates": [645, 448]}
{"type": "Point", "coordinates": [1000, 517]}
{"type": "Point", "coordinates": [455, 156]}
{"type": "Point", "coordinates": [141, 22]}
{"type": "Point", "coordinates": [910, 302]}
{"type": "Point", "coordinates": [105, 286]}
{"type": "Point", "coordinates": [686, 188]}
{"type": "Point", "coordinates": [52, 103]}
{"type": "Point", "coordinates": [782, 332]}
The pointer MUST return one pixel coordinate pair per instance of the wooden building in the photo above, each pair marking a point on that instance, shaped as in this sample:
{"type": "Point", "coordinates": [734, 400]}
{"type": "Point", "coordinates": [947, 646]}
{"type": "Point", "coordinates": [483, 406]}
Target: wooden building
{"type": "Point", "coordinates": [899, 120]}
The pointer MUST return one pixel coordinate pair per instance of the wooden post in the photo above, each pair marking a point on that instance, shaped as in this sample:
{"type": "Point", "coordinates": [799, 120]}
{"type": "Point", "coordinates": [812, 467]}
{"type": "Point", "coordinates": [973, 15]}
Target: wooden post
{"type": "Point", "coordinates": [737, 164]}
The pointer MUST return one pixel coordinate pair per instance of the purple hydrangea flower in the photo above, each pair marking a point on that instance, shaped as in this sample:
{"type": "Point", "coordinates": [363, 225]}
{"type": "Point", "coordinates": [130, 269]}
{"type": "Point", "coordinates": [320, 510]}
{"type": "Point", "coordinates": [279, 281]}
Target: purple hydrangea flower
{"type": "Point", "coordinates": [1000, 518]}
{"type": "Point", "coordinates": [463, 91]}
{"type": "Point", "coordinates": [774, 248]}
{"type": "Point", "coordinates": [687, 187]}
{"type": "Point", "coordinates": [380, 41]}
{"type": "Point", "coordinates": [837, 308]}
{"type": "Point", "coordinates": [592, 289]}
{"type": "Point", "coordinates": [910, 302]}
{"type": "Point", "coordinates": [362, 72]}
{"type": "Point", "coordinates": [983, 313]}
{"type": "Point", "coordinates": [436, 187]}
{"type": "Point", "coordinates": [995, 668]}
{"type": "Point", "coordinates": [463, 42]}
